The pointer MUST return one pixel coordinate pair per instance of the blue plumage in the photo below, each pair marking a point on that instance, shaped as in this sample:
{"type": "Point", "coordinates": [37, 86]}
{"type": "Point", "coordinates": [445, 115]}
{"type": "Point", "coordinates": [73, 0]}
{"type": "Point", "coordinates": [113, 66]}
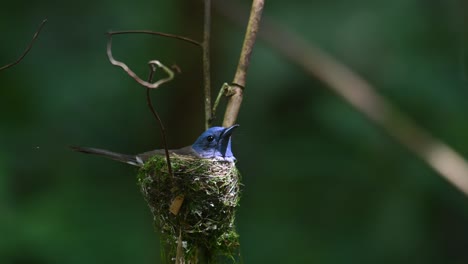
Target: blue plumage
{"type": "Point", "coordinates": [214, 143]}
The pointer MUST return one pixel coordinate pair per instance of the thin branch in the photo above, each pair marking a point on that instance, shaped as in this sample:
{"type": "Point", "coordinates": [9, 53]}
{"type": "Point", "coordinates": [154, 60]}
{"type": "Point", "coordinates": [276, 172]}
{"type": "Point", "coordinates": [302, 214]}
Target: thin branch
{"type": "Point", "coordinates": [362, 96]}
{"type": "Point", "coordinates": [28, 48]}
{"type": "Point", "coordinates": [206, 62]}
{"type": "Point", "coordinates": [227, 90]}
{"type": "Point", "coordinates": [146, 84]}
{"type": "Point", "coordinates": [158, 118]}
{"type": "Point", "coordinates": [235, 100]}
{"type": "Point", "coordinates": [221, 92]}
{"type": "Point", "coordinates": [167, 35]}
{"type": "Point", "coordinates": [177, 202]}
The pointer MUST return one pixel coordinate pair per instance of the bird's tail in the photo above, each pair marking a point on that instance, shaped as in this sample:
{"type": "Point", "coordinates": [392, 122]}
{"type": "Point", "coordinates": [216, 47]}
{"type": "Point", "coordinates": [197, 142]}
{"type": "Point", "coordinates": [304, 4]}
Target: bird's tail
{"type": "Point", "coordinates": [129, 159]}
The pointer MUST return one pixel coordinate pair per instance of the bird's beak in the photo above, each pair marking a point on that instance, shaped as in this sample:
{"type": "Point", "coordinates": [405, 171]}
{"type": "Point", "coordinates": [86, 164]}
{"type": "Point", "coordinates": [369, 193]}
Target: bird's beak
{"type": "Point", "coordinates": [225, 141]}
{"type": "Point", "coordinates": [228, 131]}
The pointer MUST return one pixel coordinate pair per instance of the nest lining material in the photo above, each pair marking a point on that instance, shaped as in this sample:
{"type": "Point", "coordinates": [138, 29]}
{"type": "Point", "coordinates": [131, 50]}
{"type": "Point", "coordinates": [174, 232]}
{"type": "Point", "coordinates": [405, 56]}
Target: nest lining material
{"type": "Point", "coordinates": [210, 191]}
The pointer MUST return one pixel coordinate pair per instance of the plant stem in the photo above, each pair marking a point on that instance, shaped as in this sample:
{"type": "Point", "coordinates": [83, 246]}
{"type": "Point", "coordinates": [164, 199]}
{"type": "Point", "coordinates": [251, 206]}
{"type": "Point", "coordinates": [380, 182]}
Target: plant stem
{"type": "Point", "coordinates": [235, 100]}
{"type": "Point", "coordinates": [206, 62]}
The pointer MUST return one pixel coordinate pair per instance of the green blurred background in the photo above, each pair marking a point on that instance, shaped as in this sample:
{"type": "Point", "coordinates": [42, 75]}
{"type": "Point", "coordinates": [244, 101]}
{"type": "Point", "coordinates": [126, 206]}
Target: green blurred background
{"type": "Point", "coordinates": [322, 184]}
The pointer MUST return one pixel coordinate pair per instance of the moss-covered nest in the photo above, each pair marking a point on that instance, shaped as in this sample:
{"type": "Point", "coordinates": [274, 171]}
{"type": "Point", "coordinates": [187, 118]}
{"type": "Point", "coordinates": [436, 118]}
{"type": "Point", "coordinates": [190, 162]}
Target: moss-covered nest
{"type": "Point", "coordinates": [204, 224]}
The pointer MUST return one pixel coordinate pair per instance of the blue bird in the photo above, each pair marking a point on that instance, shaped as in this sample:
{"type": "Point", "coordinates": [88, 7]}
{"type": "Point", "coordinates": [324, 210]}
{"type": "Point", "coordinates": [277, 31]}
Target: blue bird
{"type": "Point", "coordinates": [214, 143]}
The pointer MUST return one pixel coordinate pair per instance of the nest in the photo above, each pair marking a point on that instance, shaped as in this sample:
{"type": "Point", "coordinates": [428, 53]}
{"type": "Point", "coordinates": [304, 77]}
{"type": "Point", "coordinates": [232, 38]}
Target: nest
{"type": "Point", "coordinates": [208, 192]}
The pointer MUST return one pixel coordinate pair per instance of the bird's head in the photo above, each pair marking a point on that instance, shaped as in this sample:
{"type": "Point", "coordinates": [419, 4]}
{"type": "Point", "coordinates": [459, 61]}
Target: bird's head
{"type": "Point", "coordinates": [215, 143]}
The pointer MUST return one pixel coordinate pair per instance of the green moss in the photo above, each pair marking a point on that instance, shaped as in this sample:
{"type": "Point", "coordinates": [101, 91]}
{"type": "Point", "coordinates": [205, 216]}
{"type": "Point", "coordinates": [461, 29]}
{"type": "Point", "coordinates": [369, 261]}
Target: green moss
{"type": "Point", "coordinates": [205, 221]}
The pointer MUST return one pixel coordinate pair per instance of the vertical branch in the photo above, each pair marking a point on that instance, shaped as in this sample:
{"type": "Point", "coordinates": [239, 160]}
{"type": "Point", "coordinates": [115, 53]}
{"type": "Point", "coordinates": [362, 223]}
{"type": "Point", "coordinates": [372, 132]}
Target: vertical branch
{"type": "Point", "coordinates": [236, 90]}
{"type": "Point", "coordinates": [206, 62]}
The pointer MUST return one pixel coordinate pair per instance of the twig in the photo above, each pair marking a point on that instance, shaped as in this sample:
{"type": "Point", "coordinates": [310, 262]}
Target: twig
{"type": "Point", "coordinates": [221, 92]}
{"type": "Point", "coordinates": [235, 100]}
{"type": "Point", "coordinates": [28, 48]}
{"type": "Point", "coordinates": [158, 118]}
{"type": "Point", "coordinates": [206, 62]}
{"type": "Point", "coordinates": [362, 96]}
{"type": "Point", "coordinates": [146, 84]}
{"type": "Point", "coordinates": [167, 35]}
{"type": "Point", "coordinates": [177, 202]}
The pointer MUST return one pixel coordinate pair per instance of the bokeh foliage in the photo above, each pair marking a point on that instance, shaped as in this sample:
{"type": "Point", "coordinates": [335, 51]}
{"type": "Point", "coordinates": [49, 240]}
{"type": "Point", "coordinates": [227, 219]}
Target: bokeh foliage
{"type": "Point", "coordinates": [322, 184]}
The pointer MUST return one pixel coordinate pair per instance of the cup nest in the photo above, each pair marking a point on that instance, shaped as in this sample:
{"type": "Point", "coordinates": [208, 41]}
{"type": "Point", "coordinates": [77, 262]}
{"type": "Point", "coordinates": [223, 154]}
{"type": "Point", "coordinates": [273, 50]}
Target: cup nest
{"type": "Point", "coordinates": [209, 193]}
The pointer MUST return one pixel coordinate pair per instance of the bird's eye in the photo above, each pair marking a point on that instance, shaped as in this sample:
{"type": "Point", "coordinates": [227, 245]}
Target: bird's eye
{"type": "Point", "coordinates": [210, 138]}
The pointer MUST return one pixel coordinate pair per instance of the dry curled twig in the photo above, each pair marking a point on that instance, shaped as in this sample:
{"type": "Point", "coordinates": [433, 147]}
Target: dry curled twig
{"type": "Point", "coordinates": [28, 48]}
{"type": "Point", "coordinates": [132, 74]}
